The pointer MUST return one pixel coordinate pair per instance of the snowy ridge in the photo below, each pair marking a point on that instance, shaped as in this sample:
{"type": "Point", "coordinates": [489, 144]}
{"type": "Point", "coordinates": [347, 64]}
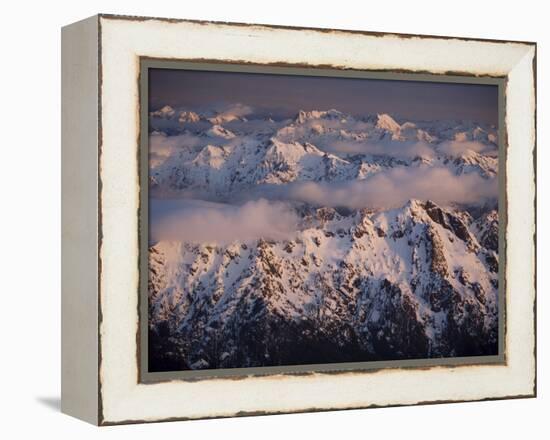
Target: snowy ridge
{"type": "Point", "coordinates": [374, 277]}
{"type": "Point", "coordinates": [315, 146]}
{"type": "Point", "coordinates": [404, 283]}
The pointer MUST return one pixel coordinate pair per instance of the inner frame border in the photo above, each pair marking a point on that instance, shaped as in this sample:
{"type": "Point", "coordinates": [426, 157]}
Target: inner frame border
{"type": "Point", "coordinates": [142, 336]}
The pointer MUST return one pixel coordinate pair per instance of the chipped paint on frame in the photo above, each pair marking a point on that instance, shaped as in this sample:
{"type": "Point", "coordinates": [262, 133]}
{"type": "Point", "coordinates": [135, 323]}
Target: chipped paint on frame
{"type": "Point", "coordinates": [102, 419]}
{"type": "Point", "coordinates": [279, 372]}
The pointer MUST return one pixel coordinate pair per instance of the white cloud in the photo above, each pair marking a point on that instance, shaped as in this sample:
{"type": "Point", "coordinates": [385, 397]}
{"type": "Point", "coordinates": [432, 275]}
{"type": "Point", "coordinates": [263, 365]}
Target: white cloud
{"type": "Point", "coordinates": [204, 222]}
{"type": "Point", "coordinates": [397, 149]}
{"type": "Point", "coordinates": [232, 109]}
{"type": "Point", "coordinates": [165, 145]}
{"type": "Point", "coordinates": [347, 135]}
{"type": "Point", "coordinates": [225, 112]}
{"type": "Point", "coordinates": [395, 187]}
{"type": "Point", "coordinates": [161, 147]}
{"type": "Point", "coordinates": [456, 148]}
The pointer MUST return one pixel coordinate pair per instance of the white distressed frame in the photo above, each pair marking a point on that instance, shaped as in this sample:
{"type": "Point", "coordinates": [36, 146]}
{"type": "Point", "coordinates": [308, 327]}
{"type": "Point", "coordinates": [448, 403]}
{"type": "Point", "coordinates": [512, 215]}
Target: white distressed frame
{"type": "Point", "coordinates": [122, 41]}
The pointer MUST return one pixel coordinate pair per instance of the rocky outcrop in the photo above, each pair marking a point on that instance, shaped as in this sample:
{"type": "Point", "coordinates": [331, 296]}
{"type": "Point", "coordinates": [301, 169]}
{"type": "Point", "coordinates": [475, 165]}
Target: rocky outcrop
{"type": "Point", "coordinates": [407, 283]}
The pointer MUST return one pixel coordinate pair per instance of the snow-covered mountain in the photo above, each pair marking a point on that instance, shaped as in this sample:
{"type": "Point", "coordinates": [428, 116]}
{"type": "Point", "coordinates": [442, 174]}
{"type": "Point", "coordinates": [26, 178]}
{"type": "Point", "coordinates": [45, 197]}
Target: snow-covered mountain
{"type": "Point", "coordinates": [360, 282]}
{"type": "Point", "coordinates": [316, 146]}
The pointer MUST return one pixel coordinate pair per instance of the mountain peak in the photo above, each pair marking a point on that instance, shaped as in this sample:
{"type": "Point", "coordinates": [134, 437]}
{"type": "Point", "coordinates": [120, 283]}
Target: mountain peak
{"type": "Point", "coordinates": [414, 208]}
{"type": "Point", "coordinates": [386, 122]}
{"type": "Point", "coordinates": [188, 116]}
{"type": "Point", "coordinates": [219, 131]}
{"type": "Point", "coordinates": [359, 279]}
{"type": "Point", "coordinates": [211, 156]}
{"type": "Point", "coordinates": [304, 115]}
{"type": "Point", "coordinates": [165, 112]}
{"type": "Point", "coordinates": [414, 204]}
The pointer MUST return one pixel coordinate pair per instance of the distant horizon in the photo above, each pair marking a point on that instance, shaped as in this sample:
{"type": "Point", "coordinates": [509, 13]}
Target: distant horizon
{"type": "Point", "coordinates": [259, 115]}
{"type": "Point", "coordinates": [283, 96]}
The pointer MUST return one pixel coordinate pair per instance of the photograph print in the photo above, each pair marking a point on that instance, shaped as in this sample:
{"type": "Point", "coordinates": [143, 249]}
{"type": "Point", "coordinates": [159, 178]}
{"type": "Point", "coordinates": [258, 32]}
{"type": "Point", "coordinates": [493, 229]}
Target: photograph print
{"type": "Point", "coordinates": [310, 220]}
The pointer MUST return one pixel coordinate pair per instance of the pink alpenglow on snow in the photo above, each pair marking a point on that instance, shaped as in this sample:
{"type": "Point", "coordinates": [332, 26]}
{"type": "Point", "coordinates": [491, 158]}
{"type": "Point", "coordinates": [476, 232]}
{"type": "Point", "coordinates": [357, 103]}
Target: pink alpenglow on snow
{"type": "Point", "coordinates": [282, 235]}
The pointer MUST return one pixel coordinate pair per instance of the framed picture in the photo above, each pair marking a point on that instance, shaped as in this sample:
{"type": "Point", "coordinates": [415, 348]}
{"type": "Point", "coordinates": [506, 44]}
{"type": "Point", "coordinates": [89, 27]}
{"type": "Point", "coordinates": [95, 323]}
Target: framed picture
{"type": "Point", "coordinates": [262, 220]}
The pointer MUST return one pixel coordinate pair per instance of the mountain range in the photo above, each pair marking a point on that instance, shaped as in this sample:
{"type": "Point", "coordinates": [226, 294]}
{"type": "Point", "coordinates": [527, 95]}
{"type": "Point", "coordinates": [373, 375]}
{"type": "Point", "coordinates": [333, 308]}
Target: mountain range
{"type": "Point", "coordinates": [392, 251]}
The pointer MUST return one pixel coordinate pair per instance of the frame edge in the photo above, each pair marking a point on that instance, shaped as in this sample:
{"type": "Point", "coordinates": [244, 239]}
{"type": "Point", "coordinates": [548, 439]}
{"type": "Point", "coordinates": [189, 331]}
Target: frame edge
{"type": "Point", "coordinates": [531, 394]}
{"type": "Point", "coordinates": [79, 138]}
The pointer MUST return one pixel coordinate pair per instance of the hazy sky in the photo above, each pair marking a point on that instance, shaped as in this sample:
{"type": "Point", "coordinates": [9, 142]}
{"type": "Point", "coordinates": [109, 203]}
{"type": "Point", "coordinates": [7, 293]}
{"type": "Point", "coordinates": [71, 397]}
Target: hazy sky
{"type": "Point", "coordinates": [283, 95]}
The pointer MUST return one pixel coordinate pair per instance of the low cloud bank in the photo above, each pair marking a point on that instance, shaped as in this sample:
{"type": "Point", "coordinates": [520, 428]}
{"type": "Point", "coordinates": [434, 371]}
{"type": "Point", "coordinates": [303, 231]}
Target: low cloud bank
{"type": "Point", "coordinates": [166, 145]}
{"type": "Point", "coordinates": [162, 147]}
{"type": "Point", "coordinates": [232, 110]}
{"type": "Point", "coordinates": [204, 222]}
{"type": "Point", "coordinates": [397, 149]}
{"type": "Point", "coordinates": [457, 148]}
{"type": "Point", "coordinates": [395, 187]}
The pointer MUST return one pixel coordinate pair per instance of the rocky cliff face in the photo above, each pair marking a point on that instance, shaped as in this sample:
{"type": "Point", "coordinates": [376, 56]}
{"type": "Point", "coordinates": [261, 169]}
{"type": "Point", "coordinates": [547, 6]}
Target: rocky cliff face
{"type": "Point", "coordinates": [406, 283]}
